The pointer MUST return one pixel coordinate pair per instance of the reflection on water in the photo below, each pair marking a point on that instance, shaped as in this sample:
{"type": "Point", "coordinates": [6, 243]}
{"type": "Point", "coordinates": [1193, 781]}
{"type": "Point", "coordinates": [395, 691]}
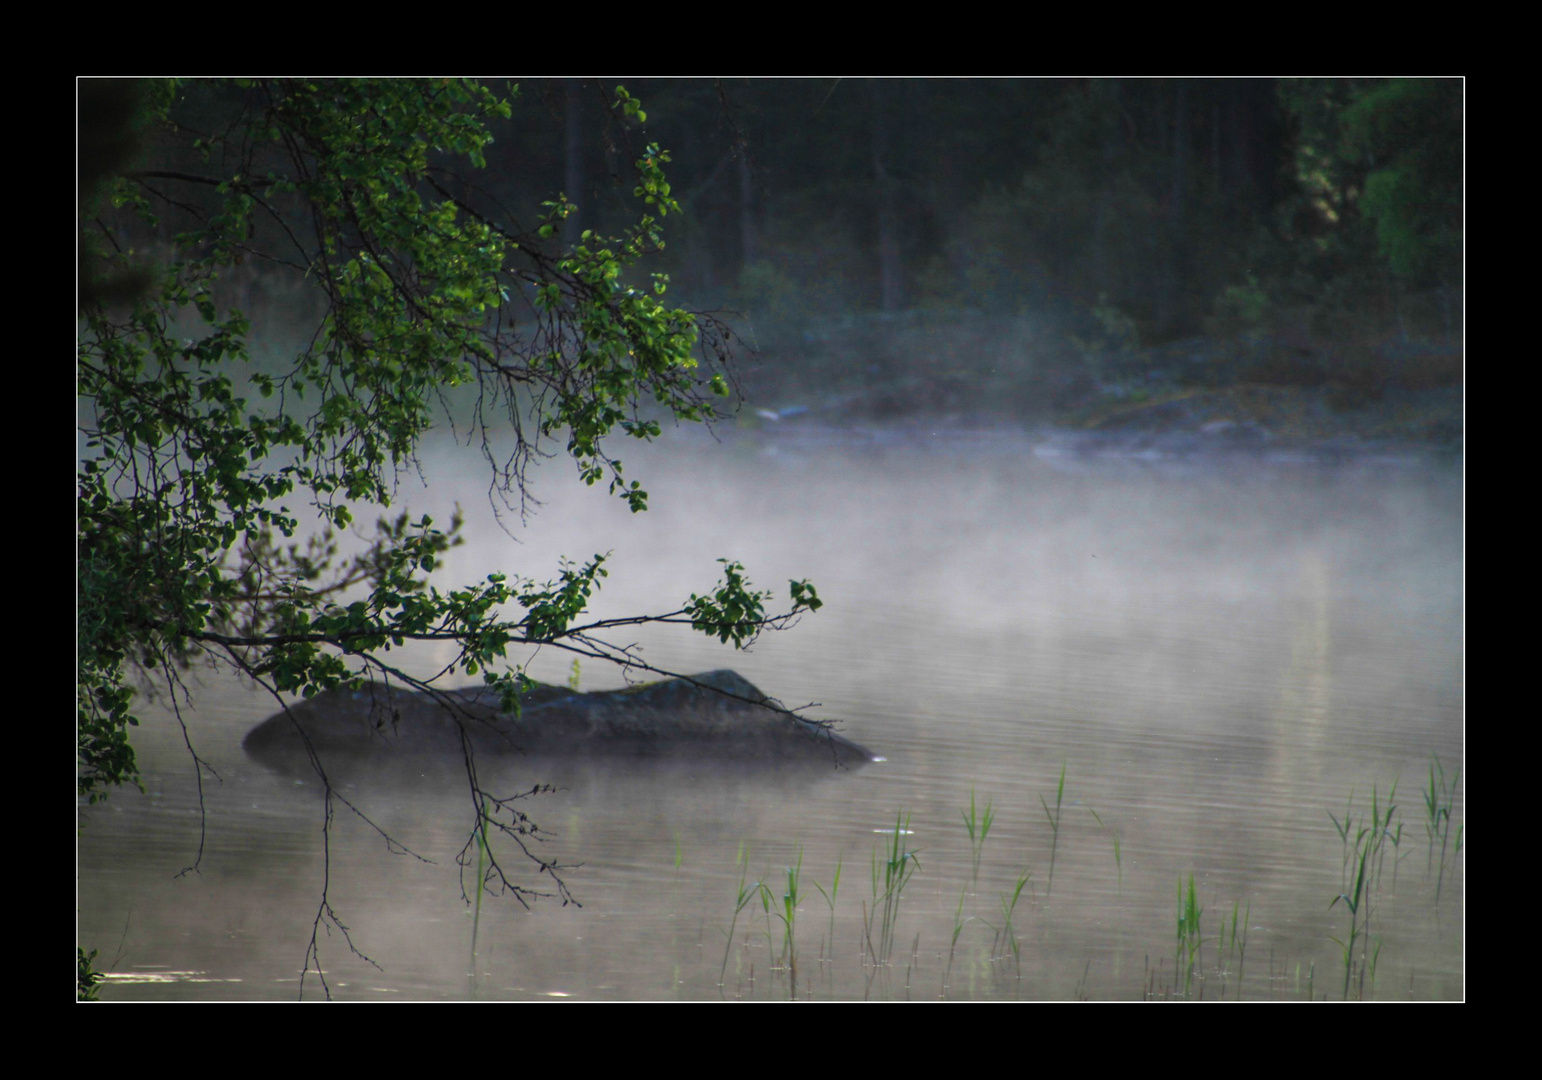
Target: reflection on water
{"type": "Point", "coordinates": [1218, 654]}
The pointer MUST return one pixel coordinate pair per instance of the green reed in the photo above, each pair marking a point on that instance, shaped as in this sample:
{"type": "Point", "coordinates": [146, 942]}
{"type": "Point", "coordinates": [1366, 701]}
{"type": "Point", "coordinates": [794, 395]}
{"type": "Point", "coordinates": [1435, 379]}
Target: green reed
{"type": "Point", "coordinates": [1118, 862]}
{"type": "Point", "coordinates": [1395, 838]}
{"type": "Point", "coordinates": [959, 922]}
{"type": "Point", "coordinates": [979, 827]}
{"type": "Point", "coordinates": [1080, 993]}
{"type": "Point", "coordinates": [1054, 824]}
{"type": "Point", "coordinates": [1362, 862]}
{"type": "Point", "coordinates": [889, 880]}
{"type": "Point", "coordinates": [1190, 940]}
{"type": "Point", "coordinates": [1237, 945]}
{"type": "Point", "coordinates": [1439, 801]}
{"type": "Point", "coordinates": [764, 893]}
{"type": "Point", "coordinates": [747, 892]}
{"type": "Point", "coordinates": [788, 913]}
{"type": "Point", "coordinates": [1006, 935]}
{"type": "Point", "coordinates": [1356, 931]}
{"type": "Point", "coordinates": [830, 896]}
{"type": "Point", "coordinates": [783, 909]}
{"type": "Point", "coordinates": [1344, 828]}
{"type": "Point", "coordinates": [1382, 832]}
{"type": "Point", "coordinates": [1369, 835]}
{"type": "Point", "coordinates": [482, 860]}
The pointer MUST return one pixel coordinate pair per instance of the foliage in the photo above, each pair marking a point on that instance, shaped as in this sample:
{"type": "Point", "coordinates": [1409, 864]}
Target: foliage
{"type": "Point", "coordinates": [201, 467]}
{"type": "Point", "coordinates": [1378, 181]}
{"type": "Point", "coordinates": [1411, 130]}
{"type": "Point", "coordinates": [88, 980]}
{"type": "Point", "coordinates": [1219, 206]}
{"type": "Point", "coordinates": [1243, 306]}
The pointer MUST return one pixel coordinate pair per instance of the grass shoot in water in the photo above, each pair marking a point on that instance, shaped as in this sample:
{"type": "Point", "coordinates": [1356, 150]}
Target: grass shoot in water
{"type": "Point", "coordinates": [1054, 824]}
{"type": "Point", "coordinates": [1006, 936]}
{"type": "Point", "coordinates": [1118, 862]}
{"type": "Point", "coordinates": [979, 827]}
{"type": "Point", "coordinates": [482, 860]}
{"type": "Point", "coordinates": [1366, 837]}
{"type": "Point", "coordinates": [835, 888]}
{"type": "Point", "coordinates": [1439, 801]}
{"type": "Point", "coordinates": [958, 928]}
{"type": "Point", "coordinates": [1353, 902]}
{"type": "Point", "coordinates": [1189, 938]}
{"type": "Point", "coordinates": [747, 893]}
{"type": "Point", "coordinates": [889, 880]}
{"type": "Point", "coordinates": [1238, 945]}
{"type": "Point", "coordinates": [788, 913]}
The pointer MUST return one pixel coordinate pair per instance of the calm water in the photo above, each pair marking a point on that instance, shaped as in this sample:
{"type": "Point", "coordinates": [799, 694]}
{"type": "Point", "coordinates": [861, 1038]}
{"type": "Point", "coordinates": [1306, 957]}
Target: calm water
{"type": "Point", "coordinates": [1217, 653]}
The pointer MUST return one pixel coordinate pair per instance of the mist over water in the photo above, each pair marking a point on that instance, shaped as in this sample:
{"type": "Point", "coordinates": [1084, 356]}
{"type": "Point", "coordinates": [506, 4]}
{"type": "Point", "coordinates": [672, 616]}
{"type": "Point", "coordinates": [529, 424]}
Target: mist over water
{"type": "Point", "coordinates": [1217, 651]}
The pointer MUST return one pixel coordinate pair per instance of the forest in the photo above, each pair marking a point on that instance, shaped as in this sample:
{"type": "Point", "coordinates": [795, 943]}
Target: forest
{"type": "Point", "coordinates": [1028, 248]}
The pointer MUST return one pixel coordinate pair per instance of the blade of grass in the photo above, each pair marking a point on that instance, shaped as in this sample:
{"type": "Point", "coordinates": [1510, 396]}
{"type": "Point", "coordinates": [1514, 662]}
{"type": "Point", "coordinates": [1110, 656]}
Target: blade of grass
{"type": "Point", "coordinates": [1054, 824]}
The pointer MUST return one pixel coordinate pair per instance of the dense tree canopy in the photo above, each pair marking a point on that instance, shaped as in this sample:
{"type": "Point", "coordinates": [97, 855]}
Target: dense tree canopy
{"type": "Point", "coordinates": [208, 456]}
{"type": "Point", "coordinates": [1167, 203]}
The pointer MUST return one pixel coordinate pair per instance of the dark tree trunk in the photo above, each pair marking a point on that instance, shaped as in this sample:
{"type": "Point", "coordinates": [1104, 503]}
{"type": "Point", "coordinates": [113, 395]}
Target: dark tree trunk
{"type": "Point", "coordinates": [1176, 281]}
{"type": "Point", "coordinates": [749, 236]}
{"type": "Point", "coordinates": [573, 160]}
{"type": "Point", "coordinates": [889, 268]}
{"type": "Point", "coordinates": [1218, 109]}
{"type": "Point", "coordinates": [1113, 142]}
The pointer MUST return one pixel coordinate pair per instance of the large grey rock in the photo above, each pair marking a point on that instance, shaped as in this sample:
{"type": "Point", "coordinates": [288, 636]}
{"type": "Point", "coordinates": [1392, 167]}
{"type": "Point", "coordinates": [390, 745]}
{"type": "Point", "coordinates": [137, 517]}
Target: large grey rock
{"type": "Point", "coordinates": [718, 713]}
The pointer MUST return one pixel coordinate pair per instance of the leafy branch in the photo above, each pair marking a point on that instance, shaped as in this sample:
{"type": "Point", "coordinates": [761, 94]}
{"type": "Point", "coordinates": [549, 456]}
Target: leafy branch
{"type": "Point", "coordinates": [430, 293]}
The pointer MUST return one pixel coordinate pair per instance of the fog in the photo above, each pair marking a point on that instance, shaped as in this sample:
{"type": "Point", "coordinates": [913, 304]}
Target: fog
{"type": "Point", "coordinates": [1218, 650]}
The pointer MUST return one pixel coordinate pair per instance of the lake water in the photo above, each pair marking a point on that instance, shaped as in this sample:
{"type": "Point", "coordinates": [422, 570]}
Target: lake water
{"type": "Point", "coordinates": [1223, 657]}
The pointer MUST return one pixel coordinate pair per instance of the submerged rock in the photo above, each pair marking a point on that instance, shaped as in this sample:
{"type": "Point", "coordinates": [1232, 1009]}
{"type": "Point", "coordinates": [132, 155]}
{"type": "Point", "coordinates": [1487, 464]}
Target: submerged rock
{"type": "Point", "coordinates": [719, 713]}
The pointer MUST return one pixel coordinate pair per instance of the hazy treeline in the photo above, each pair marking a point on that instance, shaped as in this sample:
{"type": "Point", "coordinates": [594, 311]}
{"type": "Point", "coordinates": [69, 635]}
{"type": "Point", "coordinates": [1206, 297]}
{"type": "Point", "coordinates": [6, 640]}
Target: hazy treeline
{"type": "Point", "coordinates": [995, 194]}
{"type": "Point", "coordinates": [1077, 217]}
{"type": "Point", "coordinates": [1022, 240]}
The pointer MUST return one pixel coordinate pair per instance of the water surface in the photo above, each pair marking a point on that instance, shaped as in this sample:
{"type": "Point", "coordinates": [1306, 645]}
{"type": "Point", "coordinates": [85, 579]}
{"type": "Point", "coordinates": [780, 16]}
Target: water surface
{"type": "Point", "coordinates": [1218, 652]}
